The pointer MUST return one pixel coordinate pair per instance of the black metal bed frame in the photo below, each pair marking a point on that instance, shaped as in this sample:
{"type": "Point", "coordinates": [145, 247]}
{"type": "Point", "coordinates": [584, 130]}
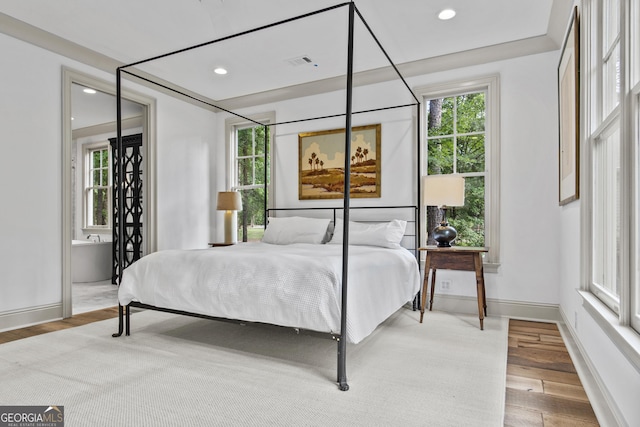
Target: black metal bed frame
{"type": "Point", "coordinates": [124, 312]}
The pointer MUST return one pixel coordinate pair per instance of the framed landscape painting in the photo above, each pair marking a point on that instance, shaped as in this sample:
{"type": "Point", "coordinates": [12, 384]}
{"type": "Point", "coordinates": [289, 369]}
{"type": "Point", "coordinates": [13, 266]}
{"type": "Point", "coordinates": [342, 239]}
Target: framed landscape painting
{"type": "Point", "coordinates": [568, 103]}
{"type": "Point", "coordinates": [321, 159]}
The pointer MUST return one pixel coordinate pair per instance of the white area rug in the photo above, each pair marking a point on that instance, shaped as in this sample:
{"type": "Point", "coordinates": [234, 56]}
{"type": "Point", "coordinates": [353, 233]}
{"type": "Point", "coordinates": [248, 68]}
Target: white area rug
{"type": "Point", "coordinates": [180, 371]}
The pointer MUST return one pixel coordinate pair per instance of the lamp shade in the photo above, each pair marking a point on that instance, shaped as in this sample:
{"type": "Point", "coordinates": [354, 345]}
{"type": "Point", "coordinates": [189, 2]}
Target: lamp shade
{"type": "Point", "coordinates": [443, 190]}
{"type": "Point", "coordinates": [229, 201]}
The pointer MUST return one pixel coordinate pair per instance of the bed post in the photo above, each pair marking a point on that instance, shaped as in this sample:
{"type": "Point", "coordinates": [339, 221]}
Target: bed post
{"type": "Point", "coordinates": [342, 341]}
{"type": "Point", "coordinates": [418, 216]}
{"type": "Point", "coordinates": [419, 175]}
{"type": "Point", "coordinates": [267, 129]}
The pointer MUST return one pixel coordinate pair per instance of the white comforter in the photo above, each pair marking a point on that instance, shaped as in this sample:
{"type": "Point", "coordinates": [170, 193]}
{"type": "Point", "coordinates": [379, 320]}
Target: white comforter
{"type": "Point", "coordinates": [295, 285]}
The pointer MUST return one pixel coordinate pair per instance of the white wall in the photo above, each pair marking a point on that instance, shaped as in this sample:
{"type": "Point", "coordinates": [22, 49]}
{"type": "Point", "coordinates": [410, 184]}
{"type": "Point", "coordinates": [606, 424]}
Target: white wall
{"type": "Point", "coordinates": [31, 177]}
{"type": "Point", "coordinates": [185, 198]}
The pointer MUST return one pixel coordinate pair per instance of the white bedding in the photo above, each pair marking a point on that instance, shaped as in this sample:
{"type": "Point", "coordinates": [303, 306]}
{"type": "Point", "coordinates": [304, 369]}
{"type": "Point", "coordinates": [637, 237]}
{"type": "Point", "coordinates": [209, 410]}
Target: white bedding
{"type": "Point", "coordinates": [296, 285]}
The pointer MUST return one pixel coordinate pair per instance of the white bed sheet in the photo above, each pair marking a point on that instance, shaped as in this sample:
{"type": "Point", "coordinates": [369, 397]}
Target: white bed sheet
{"type": "Point", "coordinates": [296, 285]}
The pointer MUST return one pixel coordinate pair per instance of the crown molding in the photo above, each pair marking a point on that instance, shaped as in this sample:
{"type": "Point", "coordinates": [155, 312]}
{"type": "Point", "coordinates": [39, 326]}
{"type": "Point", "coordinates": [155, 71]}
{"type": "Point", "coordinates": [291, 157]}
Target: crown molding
{"type": "Point", "coordinates": [484, 55]}
{"type": "Point", "coordinates": [559, 17]}
{"type": "Point", "coordinates": [38, 37]}
{"type": "Point", "coordinates": [530, 46]}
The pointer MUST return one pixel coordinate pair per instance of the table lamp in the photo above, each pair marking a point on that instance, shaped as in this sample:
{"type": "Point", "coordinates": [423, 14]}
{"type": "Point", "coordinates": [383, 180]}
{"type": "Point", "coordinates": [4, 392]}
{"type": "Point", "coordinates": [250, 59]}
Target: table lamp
{"type": "Point", "coordinates": [443, 191]}
{"type": "Point", "coordinates": [230, 201]}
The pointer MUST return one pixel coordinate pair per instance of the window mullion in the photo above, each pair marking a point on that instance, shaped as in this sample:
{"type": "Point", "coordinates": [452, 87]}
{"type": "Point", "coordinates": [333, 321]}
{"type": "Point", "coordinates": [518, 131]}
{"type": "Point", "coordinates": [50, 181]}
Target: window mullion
{"type": "Point", "coordinates": [610, 49]}
{"type": "Point", "coordinates": [455, 134]}
{"type": "Point", "coordinates": [634, 252]}
{"type": "Point", "coordinates": [626, 170]}
{"type": "Point", "coordinates": [253, 155]}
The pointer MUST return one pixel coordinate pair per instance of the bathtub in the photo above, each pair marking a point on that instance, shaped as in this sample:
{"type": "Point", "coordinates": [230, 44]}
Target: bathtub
{"type": "Point", "coordinates": [90, 261]}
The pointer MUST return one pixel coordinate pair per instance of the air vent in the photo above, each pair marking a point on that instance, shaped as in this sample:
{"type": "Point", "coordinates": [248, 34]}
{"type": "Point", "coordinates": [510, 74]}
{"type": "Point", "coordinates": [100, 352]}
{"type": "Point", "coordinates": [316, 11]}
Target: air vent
{"type": "Point", "coordinates": [300, 60]}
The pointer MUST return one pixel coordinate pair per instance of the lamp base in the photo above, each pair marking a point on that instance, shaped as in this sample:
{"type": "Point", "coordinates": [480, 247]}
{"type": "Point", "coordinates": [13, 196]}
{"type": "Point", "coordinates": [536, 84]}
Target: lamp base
{"type": "Point", "coordinates": [230, 228]}
{"type": "Point", "coordinates": [444, 234]}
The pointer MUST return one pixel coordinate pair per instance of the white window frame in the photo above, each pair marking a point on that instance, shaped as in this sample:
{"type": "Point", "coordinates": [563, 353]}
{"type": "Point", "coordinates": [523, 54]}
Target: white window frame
{"type": "Point", "coordinates": [236, 158]}
{"type": "Point", "coordinates": [491, 86]}
{"type": "Point", "coordinates": [633, 54]}
{"type": "Point", "coordinates": [634, 294]}
{"type": "Point", "coordinates": [231, 126]}
{"type": "Point", "coordinates": [87, 185]}
{"type": "Point", "coordinates": [603, 245]}
{"type": "Point", "coordinates": [621, 323]}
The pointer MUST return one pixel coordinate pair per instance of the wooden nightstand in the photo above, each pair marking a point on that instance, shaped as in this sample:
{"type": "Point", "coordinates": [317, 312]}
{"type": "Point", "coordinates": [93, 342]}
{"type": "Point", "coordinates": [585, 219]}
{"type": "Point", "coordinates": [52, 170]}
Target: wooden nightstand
{"type": "Point", "coordinates": [217, 245]}
{"type": "Point", "coordinates": [454, 258]}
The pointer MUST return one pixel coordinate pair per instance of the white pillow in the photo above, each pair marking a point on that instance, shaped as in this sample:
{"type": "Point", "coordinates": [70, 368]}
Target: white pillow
{"type": "Point", "coordinates": [295, 229]}
{"type": "Point", "coordinates": [384, 234]}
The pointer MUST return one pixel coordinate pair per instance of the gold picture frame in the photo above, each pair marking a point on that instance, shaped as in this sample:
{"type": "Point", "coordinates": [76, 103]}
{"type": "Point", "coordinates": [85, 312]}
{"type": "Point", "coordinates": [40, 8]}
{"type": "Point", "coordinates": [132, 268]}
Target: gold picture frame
{"type": "Point", "coordinates": [321, 163]}
{"type": "Point", "coordinates": [569, 114]}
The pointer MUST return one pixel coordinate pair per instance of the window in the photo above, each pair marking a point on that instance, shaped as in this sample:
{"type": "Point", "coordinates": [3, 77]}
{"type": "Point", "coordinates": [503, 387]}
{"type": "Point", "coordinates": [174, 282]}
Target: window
{"type": "Point", "coordinates": [97, 189]}
{"type": "Point", "coordinates": [607, 238]}
{"type": "Point", "coordinates": [460, 137]}
{"type": "Point", "coordinates": [635, 288]}
{"type": "Point", "coordinates": [249, 173]}
{"type": "Point", "coordinates": [605, 141]}
{"type": "Point", "coordinates": [455, 145]}
{"type": "Point", "coordinates": [611, 132]}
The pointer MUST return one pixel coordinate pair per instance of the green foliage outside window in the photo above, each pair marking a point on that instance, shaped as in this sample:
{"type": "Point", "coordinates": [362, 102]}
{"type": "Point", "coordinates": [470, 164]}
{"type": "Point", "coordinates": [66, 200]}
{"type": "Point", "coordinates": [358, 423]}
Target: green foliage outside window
{"type": "Point", "coordinates": [98, 190]}
{"type": "Point", "coordinates": [251, 182]}
{"type": "Point", "coordinates": [456, 144]}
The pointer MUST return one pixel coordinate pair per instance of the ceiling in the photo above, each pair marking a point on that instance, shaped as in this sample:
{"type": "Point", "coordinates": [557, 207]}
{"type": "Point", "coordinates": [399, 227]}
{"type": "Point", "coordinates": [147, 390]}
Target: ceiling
{"type": "Point", "coordinates": [260, 63]}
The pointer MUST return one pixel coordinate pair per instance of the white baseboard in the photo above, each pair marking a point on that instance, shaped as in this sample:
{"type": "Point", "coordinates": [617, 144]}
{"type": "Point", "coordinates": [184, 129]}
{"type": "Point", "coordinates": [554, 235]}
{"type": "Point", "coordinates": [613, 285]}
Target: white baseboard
{"type": "Point", "coordinates": [22, 318]}
{"type": "Point", "coordinates": [501, 308]}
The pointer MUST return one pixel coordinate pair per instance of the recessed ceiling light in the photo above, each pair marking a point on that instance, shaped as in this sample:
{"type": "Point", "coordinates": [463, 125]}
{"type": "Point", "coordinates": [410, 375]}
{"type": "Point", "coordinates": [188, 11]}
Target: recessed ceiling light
{"type": "Point", "coordinates": [88, 90]}
{"type": "Point", "coordinates": [446, 14]}
{"type": "Point", "coordinates": [220, 71]}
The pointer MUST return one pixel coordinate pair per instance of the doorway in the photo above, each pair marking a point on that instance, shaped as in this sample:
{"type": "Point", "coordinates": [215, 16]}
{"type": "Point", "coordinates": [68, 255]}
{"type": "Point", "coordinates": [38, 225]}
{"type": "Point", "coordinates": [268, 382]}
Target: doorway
{"type": "Point", "coordinates": [89, 122]}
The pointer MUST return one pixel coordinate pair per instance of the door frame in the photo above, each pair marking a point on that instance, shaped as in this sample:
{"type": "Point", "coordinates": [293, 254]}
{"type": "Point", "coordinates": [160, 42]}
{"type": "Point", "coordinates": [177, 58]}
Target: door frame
{"type": "Point", "coordinates": [70, 76]}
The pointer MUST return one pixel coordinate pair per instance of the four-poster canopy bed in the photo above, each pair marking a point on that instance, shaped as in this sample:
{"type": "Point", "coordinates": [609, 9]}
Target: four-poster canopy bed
{"type": "Point", "coordinates": [302, 278]}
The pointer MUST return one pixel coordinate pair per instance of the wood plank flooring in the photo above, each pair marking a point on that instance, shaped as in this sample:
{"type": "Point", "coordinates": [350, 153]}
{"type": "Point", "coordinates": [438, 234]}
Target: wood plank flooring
{"type": "Point", "coordinates": [75, 320]}
{"type": "Point", "coordinates": [543, 388]}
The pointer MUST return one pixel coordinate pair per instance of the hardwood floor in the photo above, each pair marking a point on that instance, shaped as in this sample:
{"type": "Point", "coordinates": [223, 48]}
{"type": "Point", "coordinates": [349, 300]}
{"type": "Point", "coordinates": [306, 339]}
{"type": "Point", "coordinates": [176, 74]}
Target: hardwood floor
{"type": "Point", "coordinates": [543, 388]}
{"type": "Point", "coordinates": [43, 328]}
